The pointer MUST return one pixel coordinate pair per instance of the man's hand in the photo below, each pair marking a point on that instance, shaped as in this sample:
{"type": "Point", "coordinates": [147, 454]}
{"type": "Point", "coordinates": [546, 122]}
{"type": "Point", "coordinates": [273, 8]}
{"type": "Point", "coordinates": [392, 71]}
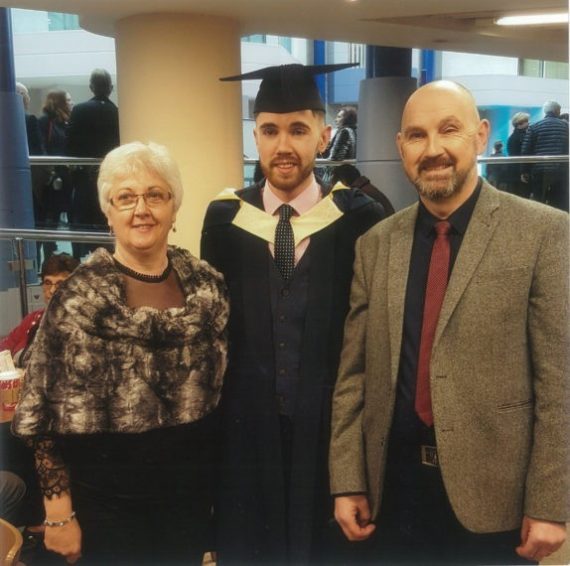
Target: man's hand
{"type": "Point", "coordinates": [352, 513]}
{"type": "Point", "coordinates": [540, 539]}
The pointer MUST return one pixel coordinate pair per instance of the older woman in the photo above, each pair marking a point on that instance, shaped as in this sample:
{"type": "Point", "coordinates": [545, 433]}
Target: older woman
{"type": "Point", "coordinates": [124, 378]}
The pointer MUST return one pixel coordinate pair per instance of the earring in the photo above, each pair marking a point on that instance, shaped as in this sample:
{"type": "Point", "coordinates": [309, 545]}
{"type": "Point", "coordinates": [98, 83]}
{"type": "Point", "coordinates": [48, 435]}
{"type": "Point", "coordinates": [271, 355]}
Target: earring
{"type": "Point", "coordinates": [174, 227]}
{"type": "Point", "coordinates": [111, 233]}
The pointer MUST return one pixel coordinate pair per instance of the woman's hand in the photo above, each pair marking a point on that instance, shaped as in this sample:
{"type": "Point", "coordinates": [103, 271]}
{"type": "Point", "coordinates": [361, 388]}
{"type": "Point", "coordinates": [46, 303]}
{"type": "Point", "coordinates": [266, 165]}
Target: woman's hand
{"type": "Point", "coordinates": [65, 540]}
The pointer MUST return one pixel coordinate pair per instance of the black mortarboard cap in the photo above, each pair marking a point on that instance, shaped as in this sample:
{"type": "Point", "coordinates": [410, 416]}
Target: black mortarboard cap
{"type": "Point", "coordinates": [288, 88]}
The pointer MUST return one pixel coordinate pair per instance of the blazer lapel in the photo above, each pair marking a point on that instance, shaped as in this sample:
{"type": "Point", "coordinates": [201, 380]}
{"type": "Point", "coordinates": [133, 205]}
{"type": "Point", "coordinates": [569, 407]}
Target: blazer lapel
{"type": "Point", "coordinates": [475, 241]}
{"type": "Point", "coordinates": [401, 240]}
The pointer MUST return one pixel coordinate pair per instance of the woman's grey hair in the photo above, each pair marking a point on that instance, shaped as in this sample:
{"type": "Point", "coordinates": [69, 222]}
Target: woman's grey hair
{"type": "Point", "coordinates": [519, 118]}
{"type": "Point", "coordinates": [133, 158]}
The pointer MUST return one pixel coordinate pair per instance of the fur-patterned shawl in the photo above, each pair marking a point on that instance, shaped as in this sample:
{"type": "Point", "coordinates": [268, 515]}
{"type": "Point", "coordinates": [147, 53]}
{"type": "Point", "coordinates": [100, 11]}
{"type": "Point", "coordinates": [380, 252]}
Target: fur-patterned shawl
{"type": "Point", "coordinates": [98, 365]}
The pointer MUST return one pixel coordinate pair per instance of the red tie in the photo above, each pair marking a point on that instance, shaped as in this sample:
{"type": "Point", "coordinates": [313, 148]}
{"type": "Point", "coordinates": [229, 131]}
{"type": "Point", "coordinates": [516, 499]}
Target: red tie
{"type": "Point", "coordinates": [435, 292]}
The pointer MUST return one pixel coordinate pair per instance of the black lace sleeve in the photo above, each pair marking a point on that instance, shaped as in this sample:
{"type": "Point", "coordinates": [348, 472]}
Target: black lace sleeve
{"type": "Point", "coordinates": [52, 472]}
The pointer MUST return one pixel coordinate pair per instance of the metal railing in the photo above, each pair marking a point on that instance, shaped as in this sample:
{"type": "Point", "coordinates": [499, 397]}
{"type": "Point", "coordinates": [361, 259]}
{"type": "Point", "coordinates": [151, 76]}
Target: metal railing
{"type": "Point", "coordinates": [481, 159]}
{"type": "Point", "coordinates": [92, 161]}
{"type": "Point", "coordinates": [524, 159]}
{"type": "Point", "coordinates": [57, 160]}
{"type": "Point", "coordinates": [18, 236]}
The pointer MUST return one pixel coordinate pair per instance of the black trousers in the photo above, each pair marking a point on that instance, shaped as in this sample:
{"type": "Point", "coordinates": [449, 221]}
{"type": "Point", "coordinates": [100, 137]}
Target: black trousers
{"type": "Point", "coordinates": [417, 525]}
{"type": "Point", "coordinates": [137, 533]}
{"type": "Point", "coordinates": [551, 187]}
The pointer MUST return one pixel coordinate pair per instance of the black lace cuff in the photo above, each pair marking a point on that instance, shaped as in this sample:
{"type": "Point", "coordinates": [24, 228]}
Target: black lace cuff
{"type": "Point", "coordinates": [52, 472]}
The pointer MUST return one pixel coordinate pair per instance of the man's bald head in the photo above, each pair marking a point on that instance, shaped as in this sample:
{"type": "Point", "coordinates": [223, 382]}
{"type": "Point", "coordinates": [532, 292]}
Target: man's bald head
{"type": "Point", "coordinates": [440, 138]}
{"type": "Point", "coordinates": [445, 89]}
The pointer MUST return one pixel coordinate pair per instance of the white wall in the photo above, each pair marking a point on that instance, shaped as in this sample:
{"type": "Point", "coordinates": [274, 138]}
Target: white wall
{"type": "Point", "coordinates": [259, 55]}
{"type": "Point", "coordinates": [460, 64]}
{"type": "Point", "coordinates": [505, 90]}
{"type": "Point", "coordinates": [61, 56]}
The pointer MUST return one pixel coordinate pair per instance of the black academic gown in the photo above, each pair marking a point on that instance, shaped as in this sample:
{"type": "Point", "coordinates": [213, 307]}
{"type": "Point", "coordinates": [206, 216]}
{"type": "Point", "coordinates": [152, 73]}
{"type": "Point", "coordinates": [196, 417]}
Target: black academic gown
{"type": "Point", "coordinates": [253, 508]}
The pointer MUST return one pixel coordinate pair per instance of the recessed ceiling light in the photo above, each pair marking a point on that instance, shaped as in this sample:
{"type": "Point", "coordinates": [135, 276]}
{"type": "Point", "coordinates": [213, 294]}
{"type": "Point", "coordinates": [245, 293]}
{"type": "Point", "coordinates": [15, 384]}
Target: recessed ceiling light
{"type": "Point", "coordinates": [533, 19]}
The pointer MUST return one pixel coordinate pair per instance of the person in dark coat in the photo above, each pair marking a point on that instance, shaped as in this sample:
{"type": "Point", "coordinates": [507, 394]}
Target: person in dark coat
{"type": "Point", "coordinates": [35, 145]}
{"type": "Point", "coordinates": [350, 176]}
{"type": "Point", "coordinates": [514, 149]}
{"type": "Point", "coordinates": [93, 131]}
{"type": "Point", "coordinates": [39, 175]}
{"type": "Point", "coordinates": [55, 198]}
{"type": "Point", "coordinates": [343, 144]}
{"type": "Point", "coordinates": [497, 173]}
{"type": "Point", "coordinates": [288, 304]}
{"type": "Point", "coordinates": [549, 136]}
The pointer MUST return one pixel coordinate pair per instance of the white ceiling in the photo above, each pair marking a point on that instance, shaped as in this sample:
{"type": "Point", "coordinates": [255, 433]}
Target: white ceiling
{"type": "Point", "coordinates": [452, 25]}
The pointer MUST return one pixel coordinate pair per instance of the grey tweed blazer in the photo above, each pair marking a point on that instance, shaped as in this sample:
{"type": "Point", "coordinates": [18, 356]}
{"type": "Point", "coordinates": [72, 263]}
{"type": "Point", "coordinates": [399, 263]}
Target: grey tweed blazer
{"type": "Point", "coordinates": [499, 368]}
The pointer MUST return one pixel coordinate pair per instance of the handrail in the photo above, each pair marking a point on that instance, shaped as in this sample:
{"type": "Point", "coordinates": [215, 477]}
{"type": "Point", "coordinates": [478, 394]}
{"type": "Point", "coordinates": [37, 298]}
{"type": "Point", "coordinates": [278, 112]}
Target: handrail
{"type": "Point", "coordinates": [19, 235]}
{"type": "Point", "coordinates": [59, 160]}
{"type": "Point", "coordinates": [524, 159]}
{"type": "Point", "coordinates": [480, 159]}
{"type": "Point", "coordinates": [81, 236]}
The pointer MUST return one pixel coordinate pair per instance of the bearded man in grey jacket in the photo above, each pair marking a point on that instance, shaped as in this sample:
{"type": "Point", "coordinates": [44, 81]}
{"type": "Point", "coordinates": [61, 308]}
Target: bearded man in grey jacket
{"type": "Point", "coordinates": [450, 419]}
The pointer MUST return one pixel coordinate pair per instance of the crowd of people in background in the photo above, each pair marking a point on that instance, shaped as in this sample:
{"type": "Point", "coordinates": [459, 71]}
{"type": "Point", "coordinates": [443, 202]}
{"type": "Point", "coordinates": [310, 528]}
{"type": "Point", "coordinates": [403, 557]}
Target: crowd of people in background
{"type": "Point", "coordinates": [545, 182]}
{"type": "Point", "coordinates": [66, 196]}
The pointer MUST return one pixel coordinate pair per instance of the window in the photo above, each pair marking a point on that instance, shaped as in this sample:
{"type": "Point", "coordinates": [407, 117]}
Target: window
{"type": "Point", "coordinates": [257, 38]}
{"type": "Point", "coordinates": [543, 69]}
{"type": "Point", "coordinates": [59, 22]}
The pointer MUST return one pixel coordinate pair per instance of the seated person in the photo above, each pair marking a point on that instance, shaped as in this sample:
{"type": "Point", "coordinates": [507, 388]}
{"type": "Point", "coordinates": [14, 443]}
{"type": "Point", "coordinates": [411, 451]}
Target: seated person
{"type": "Point", "coordinates": [55, 269]}
{"type": "Point", "coordinates": [12, 491]}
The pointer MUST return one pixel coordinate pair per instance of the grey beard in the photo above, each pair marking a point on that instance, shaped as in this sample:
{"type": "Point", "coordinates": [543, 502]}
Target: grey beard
{"type": "Point", "coordinates": [435, 193]}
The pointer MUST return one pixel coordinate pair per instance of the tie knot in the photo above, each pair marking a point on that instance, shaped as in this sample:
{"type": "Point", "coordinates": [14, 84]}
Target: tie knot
{"type": "Point", "coordinates": [285, 211]}
{"type": "Point", "coordinates": [442, 228]}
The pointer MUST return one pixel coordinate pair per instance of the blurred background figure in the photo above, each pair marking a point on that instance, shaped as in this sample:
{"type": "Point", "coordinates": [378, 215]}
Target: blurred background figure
{"type": "Point", "coordinates": [343, 143]}
{"type": "Point", "coordinates": [39, 174]}
{"type": "Point", "coordinates": [55, 197]}
{"type": "Point", "coordinates": [93, 131]}
{"type": "Point", "coordinates": [549, 136]}
{"type": "Point", "coordinates": [514, 149]}
{"type": "Point", "coordinates": [35, 145]}
{"type": "Point", "coordinates": [350, 176]}
{"type": "Point", "coordinates": [497, 173]}
{"type": "Point", "coordinates": [55, 269]}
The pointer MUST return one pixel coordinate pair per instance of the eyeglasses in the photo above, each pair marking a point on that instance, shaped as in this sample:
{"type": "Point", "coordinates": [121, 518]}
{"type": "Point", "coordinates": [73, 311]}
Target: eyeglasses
{"type": "Point", "coordinates": [50, 284]}
{"type": "Point", "coordinates": [153, 198]}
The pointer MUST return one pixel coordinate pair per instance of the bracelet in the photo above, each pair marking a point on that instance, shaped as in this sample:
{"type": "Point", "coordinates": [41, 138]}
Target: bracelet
{"type": "Point", "coordinates": [59, 523]}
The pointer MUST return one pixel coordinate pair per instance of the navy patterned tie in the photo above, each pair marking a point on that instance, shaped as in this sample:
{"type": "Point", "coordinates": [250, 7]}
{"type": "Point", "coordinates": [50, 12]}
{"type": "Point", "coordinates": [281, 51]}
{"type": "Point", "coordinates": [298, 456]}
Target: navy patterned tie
{"type": "Point", "coordinates": [285, 243]}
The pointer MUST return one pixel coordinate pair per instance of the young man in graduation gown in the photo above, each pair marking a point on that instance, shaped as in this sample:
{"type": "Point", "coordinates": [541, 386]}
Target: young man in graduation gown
{"type": "Point", "coordinates": [285, 246]}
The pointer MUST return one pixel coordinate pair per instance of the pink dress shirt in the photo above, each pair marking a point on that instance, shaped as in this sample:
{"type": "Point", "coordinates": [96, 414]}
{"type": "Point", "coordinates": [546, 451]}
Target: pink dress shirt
{"type": "Point", "coordinates": [301, 204]}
